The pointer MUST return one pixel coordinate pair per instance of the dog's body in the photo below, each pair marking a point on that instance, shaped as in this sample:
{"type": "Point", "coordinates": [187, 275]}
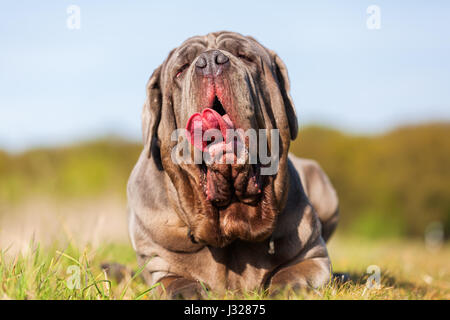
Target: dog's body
{"type": "Point", "coordinates": [236, 237]}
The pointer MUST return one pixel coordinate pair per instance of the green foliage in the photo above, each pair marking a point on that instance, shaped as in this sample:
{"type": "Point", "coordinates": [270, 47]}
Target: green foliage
{"type": "Point", "coordinates": [391, 184]}
{"type": "Point", "coordinates": [84, 170]}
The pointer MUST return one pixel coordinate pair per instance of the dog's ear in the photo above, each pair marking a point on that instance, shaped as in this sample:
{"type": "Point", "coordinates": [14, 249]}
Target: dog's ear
{"type": "Point", "coordinates": [151, 113]}
{"type": "Point", "coordinates": [284, 84]}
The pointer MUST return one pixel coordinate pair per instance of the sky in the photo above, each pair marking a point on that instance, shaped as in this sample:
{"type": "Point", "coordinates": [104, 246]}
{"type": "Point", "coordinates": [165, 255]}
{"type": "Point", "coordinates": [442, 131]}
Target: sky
{"type": "Point", "coordinates": [60, 85]}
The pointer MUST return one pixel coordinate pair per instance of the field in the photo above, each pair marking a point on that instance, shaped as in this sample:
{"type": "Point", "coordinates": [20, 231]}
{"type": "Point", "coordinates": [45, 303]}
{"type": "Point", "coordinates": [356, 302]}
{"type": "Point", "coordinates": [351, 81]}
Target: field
{"type": "Point", "coordinates": [407, 271]}
{"type": "Point", "coordinates": [75, 242]}
{"type": "Point", "coordinates": [63, 215]}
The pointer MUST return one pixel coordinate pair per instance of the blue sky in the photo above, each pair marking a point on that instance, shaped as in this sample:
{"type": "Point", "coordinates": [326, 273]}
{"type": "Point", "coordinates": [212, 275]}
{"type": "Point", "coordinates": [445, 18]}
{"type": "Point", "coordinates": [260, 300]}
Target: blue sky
{"type": "Point", "coordinates": [59, 85]}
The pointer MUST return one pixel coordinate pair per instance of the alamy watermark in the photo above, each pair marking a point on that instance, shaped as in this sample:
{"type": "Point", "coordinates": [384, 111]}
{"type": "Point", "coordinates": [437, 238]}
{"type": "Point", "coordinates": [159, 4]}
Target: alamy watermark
{"type": "Point", "coordinates": [73, 21]}
{"type": "Point", "coordinates": [239, 147]}
{"type": "Point", "coordinates": [374, 280]}
{"type": "Point", "coordinates": [74, 279]}
{"type": "Point", "coordinates": [434, 236]}
{"type": "Point", "coordinates": [373, 21]}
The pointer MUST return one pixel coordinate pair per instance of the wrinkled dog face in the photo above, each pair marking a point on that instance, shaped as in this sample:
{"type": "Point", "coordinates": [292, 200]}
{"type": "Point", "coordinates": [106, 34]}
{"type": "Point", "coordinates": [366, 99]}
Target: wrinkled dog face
{"type": "Point", "coordinates": [222, 81]}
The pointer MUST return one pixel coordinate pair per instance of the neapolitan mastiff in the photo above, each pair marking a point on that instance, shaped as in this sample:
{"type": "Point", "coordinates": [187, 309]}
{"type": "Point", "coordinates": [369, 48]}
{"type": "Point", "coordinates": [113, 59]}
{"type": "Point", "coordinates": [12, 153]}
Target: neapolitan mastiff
{"type": "Point", "coordinates": [226, 225]}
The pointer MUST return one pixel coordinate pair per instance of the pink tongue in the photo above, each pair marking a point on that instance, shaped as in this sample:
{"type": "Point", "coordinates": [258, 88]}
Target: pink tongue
{"type": "Point", "coordinates": [208, 119]}
{"type": "Point", "coordinates": [218, 187]}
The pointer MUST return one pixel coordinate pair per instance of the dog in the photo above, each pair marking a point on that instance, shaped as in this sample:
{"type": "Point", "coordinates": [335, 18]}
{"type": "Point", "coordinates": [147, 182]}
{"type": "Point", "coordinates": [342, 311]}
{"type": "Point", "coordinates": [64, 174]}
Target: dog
{"type": "Point", "coordinates": [226, 226]}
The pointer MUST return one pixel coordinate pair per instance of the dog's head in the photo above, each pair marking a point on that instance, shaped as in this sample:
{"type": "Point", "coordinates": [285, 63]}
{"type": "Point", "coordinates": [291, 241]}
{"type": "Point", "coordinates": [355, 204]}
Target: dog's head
{"type": "Point", "coordinates": [222, 81]}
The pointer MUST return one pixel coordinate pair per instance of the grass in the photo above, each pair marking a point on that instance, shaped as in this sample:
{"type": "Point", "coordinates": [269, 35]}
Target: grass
{"type": "Point", "coordinates": [407, 271]}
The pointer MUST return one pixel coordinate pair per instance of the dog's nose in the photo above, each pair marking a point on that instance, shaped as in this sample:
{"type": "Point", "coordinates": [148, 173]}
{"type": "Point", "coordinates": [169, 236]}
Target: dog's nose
{"type": "Point", "coordinates": [211, 63]}
{"type": "Point", "coordinates": [221, 58]}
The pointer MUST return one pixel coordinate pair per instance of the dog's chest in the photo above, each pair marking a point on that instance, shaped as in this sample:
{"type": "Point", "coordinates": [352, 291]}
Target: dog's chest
{"type": "Point", "coordinates": [241, 265]}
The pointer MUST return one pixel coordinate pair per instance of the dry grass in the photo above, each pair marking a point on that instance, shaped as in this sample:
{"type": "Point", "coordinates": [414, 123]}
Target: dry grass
{"type": "Point", "coordinates": [81, 236]}
{"type": "Point", "coordinates": [47, 221]}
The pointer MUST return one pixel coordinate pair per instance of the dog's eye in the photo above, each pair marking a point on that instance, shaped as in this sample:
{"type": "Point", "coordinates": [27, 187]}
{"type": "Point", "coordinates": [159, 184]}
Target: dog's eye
{"type": "Point", "coordinates": [181, 70]}
{"type": "Point", "coordinates": [244, 57]}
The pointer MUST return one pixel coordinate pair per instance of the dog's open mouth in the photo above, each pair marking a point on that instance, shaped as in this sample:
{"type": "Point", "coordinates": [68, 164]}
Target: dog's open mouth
{"type": "Point", "coordinates": [225, 172]}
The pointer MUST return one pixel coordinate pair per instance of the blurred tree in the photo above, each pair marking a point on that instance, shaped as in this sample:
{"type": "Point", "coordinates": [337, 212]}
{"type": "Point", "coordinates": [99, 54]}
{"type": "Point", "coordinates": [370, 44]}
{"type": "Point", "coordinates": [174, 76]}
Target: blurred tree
{"type": "Point", "coordinates": [392, 184]}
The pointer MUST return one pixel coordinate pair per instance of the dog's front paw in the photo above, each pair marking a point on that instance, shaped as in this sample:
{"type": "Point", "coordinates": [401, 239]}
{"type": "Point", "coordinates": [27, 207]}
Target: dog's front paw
{"type": "Point", "coordinates": [307, 274]}
{"type": "Point", "coordinates": [184, 289]}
